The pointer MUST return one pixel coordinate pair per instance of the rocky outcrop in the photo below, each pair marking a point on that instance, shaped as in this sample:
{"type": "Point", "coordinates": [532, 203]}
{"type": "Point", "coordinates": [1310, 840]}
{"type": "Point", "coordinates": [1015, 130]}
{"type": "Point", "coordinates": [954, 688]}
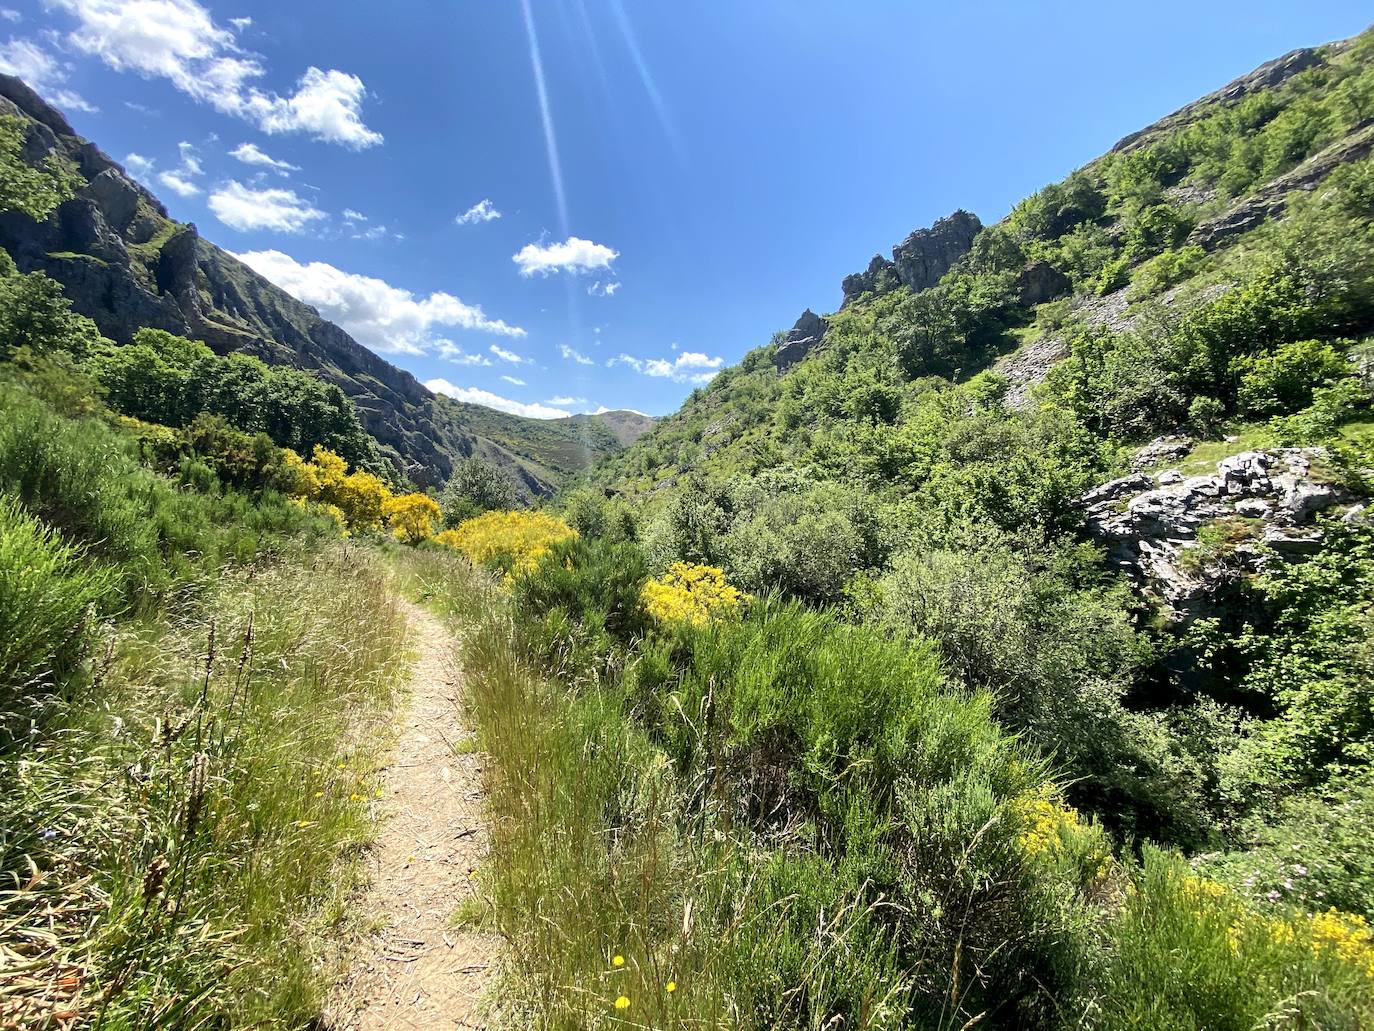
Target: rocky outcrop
{"type": "Point", "coordinates": [920, 260]}
{"type": "Point", "coordinates": [1040, 282]}
{"type": "Point", "coordinates": [1184, 540]}
{"type": "Point", "coordinates": [125, 264]}
{"type": "Point", "coordinates": [879, 278]}
{"type": "Point", "coordinates": [927, 254]}
{"type": "Point", "coordinates": [800, 340]}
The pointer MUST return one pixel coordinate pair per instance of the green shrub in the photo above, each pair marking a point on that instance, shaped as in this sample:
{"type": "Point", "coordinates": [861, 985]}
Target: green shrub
{"type": "Point", "coordinates": [47, 589]}
{"type": "Point", "coordinates": [1283, 381]}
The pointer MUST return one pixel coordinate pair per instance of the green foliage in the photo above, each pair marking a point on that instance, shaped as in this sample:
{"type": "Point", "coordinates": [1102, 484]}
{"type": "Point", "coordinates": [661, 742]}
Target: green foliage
{"type": "Point", "coordinates": [167, 379]}
{"type": "Point", "coordinates": [36, 319]}
{"type": "Point", "coordinates": [1283, 381]}
{"type": "Point", "coordinates": [46, 592]}
{"type": "Point", "coordinates": [476, 486]}
{"type": "Point", "coordinates": [1165, 270]}
{"type": "Point", "coordinates": [33, 190]}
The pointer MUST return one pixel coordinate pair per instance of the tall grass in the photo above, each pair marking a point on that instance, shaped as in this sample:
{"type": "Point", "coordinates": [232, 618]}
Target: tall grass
{"type": "Point", "coordinates": [800, 824]}
{"type": "Point", "coordinates": [176, 844]}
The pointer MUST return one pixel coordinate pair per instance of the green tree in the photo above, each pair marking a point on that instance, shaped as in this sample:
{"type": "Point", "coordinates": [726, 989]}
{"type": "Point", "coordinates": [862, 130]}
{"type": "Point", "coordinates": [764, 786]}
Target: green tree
{"type": "Point", "coordinates": [23, 187]}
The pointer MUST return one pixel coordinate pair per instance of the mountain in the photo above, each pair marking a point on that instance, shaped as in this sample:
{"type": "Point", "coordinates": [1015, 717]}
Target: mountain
{"type": "Point", "coordinates": [126, 264]}
{"type": "Point", "coordinates": [1130, 242]}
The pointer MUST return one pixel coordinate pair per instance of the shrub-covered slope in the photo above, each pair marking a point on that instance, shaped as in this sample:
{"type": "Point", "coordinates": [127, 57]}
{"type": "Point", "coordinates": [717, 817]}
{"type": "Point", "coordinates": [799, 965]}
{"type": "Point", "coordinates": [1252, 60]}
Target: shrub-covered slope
{"type": "Point", "coordinates": [125, 264]}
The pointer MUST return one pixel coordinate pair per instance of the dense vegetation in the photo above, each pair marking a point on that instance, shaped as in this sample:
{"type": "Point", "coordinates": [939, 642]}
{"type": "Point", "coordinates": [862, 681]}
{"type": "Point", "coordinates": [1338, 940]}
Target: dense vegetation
{"type": "Point", "coordinates": [817, 707]}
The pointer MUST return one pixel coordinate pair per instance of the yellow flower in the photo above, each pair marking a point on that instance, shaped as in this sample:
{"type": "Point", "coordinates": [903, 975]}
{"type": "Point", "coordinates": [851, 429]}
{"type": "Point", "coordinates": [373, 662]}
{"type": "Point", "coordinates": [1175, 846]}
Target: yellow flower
{"type": "Point", "coordinates": [319, 794]}
{"type": "Point", "coordinates": [618, 960]}
{"type": "Point", "coordinates": [516, 540]}
{"type": "Point", "coordinates": [622, 1003]}
{"type": "Point", "coordinates": [690, 593]}
{"type": "Point", "coordinates": [670, 987]}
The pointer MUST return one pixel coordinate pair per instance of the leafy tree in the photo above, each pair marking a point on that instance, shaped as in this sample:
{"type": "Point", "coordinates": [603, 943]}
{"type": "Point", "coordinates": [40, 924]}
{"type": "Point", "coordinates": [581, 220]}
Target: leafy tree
{"type": "Point", "coordinates": [35, 191]}
{"type": "Point", "coordinates": [476, 486]}
{"type": "Point", "coordinates": [36, 316]}
{"type": "Point", "coordinates": [412, 517]}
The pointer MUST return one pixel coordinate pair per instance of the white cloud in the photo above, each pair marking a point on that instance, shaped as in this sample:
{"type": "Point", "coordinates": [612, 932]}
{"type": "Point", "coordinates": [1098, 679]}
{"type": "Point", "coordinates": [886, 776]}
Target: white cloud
{"type": "Point", "coordinates": [190, 164]}
{"type": "Point", "coordinates": [450, 351]}
{"type": "Point", "coordinates": [378, 315]}
{"type": "Point", "coordinates": [574, 356]}
{"type": "Point", "coordinates": [179, 184]}
{"type": "Point", "coordinates": [252, 154]}
{"type": "Point", "coordinates": [573, 255]}
{"type": "Point", "coordinates": [41, 71]}
{"type": "Point", "coordinates": [482, 211]}
{"type": "Point", "coordinates": [600, 289]}
{"type": "Point", "coordinates": [139, 166]}
{"type": "Point", "coordinates": [688, 367]}
{"type": "Point", "coordinates": [240, 23]}
{"type": "Point", "coordinates": [353, 216]}
{"type": "Point", "coordinates": [508, 356]}
{"type": "Point", "coordinates": [477, 396]}
{"type": "Point", "coordinates": [244, 208]}
{"type": "Point", "coordinates": [567, 400]}
{"type": "Point", "coordinates": [179, 41]}
{"type": "Point", "coordinates": [10, 14]}
{"type": "Point", "coordinates": [513, 381]}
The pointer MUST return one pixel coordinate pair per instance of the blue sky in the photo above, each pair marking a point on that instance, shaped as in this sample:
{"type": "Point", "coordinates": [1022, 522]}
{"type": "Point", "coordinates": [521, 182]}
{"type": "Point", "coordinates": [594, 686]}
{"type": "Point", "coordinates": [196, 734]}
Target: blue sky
{"type": "Point", "coordinates": [715, 167]}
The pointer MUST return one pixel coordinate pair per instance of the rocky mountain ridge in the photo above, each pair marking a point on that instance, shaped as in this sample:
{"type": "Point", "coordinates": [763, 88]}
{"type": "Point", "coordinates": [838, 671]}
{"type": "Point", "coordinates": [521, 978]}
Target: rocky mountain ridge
{"type": "Point", "coordinates": [126, 264]}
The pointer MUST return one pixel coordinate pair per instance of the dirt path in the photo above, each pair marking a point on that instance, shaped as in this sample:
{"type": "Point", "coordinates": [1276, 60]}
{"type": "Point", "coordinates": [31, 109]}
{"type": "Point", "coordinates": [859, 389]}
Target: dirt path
{"type": "Point", "coordinates": [419, 970]}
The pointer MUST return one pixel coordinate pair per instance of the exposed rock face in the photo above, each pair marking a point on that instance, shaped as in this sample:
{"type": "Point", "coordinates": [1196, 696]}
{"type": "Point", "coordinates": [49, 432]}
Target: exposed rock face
{"type": "Point", "coordinates": [1266, 76]}
{"type": "Point", "coordinates": [879, 278]}
{"type": "Point", "coordinates": [1185, 540]}
{"type": "Point", "coordinates": [918, 261]}
{"type": "Point", "coordinates": [1164, 449]}
{"type": "Point", "coordinates": [1040, 282]}
{"type": "Point", "coordinates": [804, 336]}
{"type": "Point", "coordinates": [125, 264]}
{"type": "Point", "coordinates": [927, 254]}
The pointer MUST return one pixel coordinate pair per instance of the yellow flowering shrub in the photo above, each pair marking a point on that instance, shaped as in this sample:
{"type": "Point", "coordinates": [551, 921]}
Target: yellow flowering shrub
{"type": "Point", "coordinates": [361, 496]}
{"type": "Point", "coordinates": [302, 477]}
{"type": "Point", "coordinates": [690, 593]}
{"type": "Point", "coordinates": [1043, 820]}
{"type": "Point", "coordinates": [412, 517]}
{"type": "Point", "coordinates": [516, 541]}
{"type": "Point", "coordinates": [1346, 935]}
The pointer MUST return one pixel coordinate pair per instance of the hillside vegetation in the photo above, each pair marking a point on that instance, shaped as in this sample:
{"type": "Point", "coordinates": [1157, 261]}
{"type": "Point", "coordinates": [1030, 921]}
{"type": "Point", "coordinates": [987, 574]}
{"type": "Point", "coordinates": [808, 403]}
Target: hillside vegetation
{"type": "Point", "coordinates": [994, 652]}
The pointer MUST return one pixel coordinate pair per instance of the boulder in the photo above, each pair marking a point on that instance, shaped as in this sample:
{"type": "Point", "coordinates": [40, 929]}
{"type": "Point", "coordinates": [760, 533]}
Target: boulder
{"type": "Point", "coordinates": [1040, 282]}
{"type": "Point", "coordinates": [1168, 448]}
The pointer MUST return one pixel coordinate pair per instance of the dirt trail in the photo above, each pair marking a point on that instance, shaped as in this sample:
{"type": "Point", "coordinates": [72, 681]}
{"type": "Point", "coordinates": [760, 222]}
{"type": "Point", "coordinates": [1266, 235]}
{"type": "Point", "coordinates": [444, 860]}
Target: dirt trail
{"type": "Point", "coordinates": [418, 971]}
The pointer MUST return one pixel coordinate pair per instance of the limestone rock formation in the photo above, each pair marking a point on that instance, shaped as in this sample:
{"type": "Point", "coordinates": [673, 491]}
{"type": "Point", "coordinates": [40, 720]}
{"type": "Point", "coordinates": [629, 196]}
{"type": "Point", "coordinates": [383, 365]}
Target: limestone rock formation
{"type": "Point", "coordinates": [1184, 540]}
{"type": "Point", "coordinates": [927, 254]}
{"type": "Point", "coordinates": [1040, 282]}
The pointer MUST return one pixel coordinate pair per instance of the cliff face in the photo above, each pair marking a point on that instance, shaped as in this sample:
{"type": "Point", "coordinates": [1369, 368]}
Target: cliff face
{"type": "Point", "coordinates": [126, 264]}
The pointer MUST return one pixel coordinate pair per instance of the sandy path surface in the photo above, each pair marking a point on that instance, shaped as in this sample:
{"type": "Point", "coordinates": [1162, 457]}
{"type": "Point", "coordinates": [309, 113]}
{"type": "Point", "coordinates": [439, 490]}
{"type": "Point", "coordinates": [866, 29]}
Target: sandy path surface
{"type": "Point", "coordinates": [419, 970]}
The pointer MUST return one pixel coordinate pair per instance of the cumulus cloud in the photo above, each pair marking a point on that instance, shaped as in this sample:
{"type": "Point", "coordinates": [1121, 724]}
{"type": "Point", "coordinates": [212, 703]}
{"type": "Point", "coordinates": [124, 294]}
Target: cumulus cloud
{"type": "Point", "coordinates": [179, 184]}
{"type": "Point", "coordinates": [10, 14]}
{"type": "Point", "coordinates": [574, 356]}
{"type": "Point", "coordinates": [244, 208]}
{"type": "Point", "coordinates": [482, 211]}
{"type": "Point", "coordinates": [378, 315]}
{"type": "Point", "coordinates": [179, 41]}
{"type": "Point", "coordinates": [688, 367]}
{"type": "Point", "coordinates": [600, 289]}
{"type": "Point", "coordinates": [508, 356]}
{"type": "Point", "coordinates": [573, 255]}
{"type": "Point", "coordinates": [567, 401]}
{"type": "Point", "coordinates": [252, 154]}
{"type": "Point", "coordinates": [513, 381]}
{"type": "Point", "coordinates": [449, 351]}
{"type": "Point", "coordinates": [138, 166]}
{"type": "Point", "coordinates": [353, 216]}
{"type": "Point", "coordinates": [42, 71]}
{"type": "Point", "coordinates": [477, 396]}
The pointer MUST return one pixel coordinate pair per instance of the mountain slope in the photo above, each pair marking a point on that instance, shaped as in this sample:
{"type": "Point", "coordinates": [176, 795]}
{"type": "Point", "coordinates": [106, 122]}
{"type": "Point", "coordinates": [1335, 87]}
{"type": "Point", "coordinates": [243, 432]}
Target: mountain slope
{"type": "Point", "coordinates": [126, 264]}
{"type": "Point", "coordinates": [1160, 225]}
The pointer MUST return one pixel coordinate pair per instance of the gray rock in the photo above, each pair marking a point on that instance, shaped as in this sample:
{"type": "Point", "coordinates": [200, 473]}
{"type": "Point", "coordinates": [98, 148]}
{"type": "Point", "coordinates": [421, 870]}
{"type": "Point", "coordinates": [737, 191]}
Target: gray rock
{"type": "Point", "coordinates": [1160, 450]}
{"type": "Point", "coordinates": [1040, 282]}
{"type": "Point", "coordinates": [879, 278]}
{"type": "Point", "coordinates": [1268, 498]}
{"type": "Point", "coordinates": [805, 335]}
{"type": "Point", "coordinates": [927, 254]}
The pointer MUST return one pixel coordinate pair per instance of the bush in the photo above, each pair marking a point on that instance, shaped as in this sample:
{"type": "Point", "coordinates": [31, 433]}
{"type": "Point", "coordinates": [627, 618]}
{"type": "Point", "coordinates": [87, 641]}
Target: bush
{"type": "Point", "coordinates": [1283, 381]}
{"type": "Point", "coordinates": [46, 591]}
{"type": "Point", "coordinates": [475, 486]}
{"type": "Point", "coordinates": [513, 542]}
